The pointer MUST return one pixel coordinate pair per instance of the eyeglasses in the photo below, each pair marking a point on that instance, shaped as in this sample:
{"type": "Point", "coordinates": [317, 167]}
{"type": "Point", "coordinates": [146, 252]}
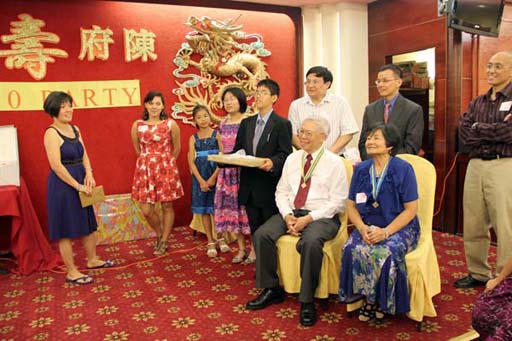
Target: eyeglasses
{"type": "Point", "coordinates": [307, 133]}
{"type": "Point", "coordinates": [384, 81]}
{"type": "Point", "coordinates": [262, 93]}
{"type": "Point", "coordinates": [497, 66]}
{"type": "Point", "coordinates": [313, 82]}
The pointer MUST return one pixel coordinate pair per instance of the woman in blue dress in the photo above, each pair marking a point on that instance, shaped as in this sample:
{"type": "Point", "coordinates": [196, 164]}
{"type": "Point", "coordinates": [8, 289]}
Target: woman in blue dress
{"type": "Point", "coordinates": [382, 204]}
{"type": "Point", "coordinates": [70, 174]}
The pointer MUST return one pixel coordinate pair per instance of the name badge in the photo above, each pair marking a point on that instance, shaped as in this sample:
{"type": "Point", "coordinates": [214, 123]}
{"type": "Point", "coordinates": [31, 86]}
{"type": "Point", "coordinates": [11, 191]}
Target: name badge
{"type": "Point", "coordinates": [143, 128]}
{"type": "Point", "coordinates": [505, 106]}
{"type": "Point", "coordinates": [361, 198]}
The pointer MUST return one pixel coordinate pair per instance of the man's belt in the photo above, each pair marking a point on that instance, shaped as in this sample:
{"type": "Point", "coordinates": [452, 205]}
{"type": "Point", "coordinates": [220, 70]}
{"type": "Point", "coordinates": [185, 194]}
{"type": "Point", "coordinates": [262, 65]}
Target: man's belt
{"type": "Point", "coordinates": [491, 157]}
{"type": "Point", "coordinates": [303, 213]}
{"type": "Point", "coordinates": [300, 213]}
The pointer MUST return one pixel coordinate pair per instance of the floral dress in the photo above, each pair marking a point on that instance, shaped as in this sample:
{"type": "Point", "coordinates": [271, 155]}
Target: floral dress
{"type": "Point", "coordinates": [230, 216]}
{"type": "Point", "coordinates": [377, 272]}
{"type": "Point", "coordinates": [156, 177]}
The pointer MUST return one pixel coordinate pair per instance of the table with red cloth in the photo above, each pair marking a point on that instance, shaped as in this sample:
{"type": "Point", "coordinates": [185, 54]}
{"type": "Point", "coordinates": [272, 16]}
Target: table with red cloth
{"type": "Point", "coordinates": [28, 242]}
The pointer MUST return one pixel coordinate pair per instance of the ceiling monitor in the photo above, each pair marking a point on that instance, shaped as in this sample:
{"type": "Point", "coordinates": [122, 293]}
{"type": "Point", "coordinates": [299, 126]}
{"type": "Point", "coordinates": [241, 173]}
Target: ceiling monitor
{"type": "Point", "coordinates": [482, 17]}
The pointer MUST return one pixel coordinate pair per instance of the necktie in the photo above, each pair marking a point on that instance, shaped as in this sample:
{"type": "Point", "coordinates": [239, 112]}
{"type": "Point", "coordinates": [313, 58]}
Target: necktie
{"type": "Point", "coordinates": [302, 193]}
{"type": "Point", "coordinates": [386, 112]}
{"type": "Point", "coordinates": [260, 124]}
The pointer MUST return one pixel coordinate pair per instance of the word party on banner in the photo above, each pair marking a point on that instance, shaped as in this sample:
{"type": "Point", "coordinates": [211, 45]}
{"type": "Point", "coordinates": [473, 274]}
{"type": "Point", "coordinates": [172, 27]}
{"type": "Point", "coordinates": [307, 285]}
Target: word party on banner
{"type": "Point", "coordinates": [19, 96]}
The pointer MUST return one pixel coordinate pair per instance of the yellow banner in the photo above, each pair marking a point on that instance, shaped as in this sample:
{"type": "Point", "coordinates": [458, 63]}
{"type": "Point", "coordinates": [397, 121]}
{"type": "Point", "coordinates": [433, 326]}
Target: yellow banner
{"type": "Point", "coordinates": [18, 96]}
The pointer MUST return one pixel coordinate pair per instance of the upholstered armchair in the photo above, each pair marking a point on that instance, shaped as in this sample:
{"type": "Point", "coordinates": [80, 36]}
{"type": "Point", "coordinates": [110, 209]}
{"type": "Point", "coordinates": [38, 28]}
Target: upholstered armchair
{"type": "Point", "coordinates": [288, 263]}
{"type": "Point", "coordinates": [423, 274]}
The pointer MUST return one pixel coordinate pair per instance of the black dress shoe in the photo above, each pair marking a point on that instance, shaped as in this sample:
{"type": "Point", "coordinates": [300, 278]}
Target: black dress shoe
{"type": "Point", "coordinates": [267, 297]}
{"type": "Point", "coordinates": [469, 282]}
{"type": "Point", "coordinates": [307, 314]}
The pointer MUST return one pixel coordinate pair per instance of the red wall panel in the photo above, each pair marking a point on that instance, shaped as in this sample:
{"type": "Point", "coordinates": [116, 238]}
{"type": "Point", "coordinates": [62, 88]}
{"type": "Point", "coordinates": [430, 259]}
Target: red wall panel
{"type": "Point", "coordinates": [107, 131]}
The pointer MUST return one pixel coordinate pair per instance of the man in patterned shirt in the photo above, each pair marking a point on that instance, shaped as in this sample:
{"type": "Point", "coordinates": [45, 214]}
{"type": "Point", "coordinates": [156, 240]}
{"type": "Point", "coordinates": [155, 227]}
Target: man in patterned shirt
{"type": "Point", "coordinates": [486, 131]}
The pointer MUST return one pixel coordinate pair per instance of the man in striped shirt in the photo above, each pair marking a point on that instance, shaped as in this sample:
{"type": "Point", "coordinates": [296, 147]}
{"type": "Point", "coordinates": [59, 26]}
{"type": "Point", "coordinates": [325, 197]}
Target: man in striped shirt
{"type": "Point", "coordinates": [486, 132]}
{"type": "Point", "coordinates": [335, 109]}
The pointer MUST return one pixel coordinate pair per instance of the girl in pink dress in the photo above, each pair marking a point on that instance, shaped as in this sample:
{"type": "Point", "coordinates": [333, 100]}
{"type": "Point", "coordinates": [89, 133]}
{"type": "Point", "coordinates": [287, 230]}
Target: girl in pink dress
{"type": "Point", "coordinates": [156, 140]}
{"type": "Point", "coordinates": [229, 215]}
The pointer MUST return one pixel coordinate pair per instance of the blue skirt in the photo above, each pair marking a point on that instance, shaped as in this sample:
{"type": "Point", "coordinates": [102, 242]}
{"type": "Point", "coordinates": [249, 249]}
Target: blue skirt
{"type": "Point", "coordinates": [66, 216]}
{"type": "Point", "coordinates": [377, 272]}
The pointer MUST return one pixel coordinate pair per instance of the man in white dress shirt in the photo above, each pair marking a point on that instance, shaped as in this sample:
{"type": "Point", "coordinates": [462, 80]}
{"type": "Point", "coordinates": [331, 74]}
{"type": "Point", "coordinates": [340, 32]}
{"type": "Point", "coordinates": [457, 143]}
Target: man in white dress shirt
{"type": "Point", "coordinates": [335, 109]}
{"type": "Point", "coordinates": [311, 192]}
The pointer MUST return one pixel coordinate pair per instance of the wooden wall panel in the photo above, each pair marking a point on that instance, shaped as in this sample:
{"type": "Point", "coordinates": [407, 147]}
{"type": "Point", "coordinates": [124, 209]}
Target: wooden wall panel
{"type": "Point", "coordinates": [417, 28]}
{"type": "Point", "coordinates": [489, 46]}
{"type": "Point", "coordinates": [477, 50]}
{"type": "Point", "coordinates": [390, 15]}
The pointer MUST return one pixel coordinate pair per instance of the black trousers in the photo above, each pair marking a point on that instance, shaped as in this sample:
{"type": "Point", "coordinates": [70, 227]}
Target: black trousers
{"type": "Point", "coordinates": [310, 246]}
{"type": "Point", "coordinates": [257, 216]}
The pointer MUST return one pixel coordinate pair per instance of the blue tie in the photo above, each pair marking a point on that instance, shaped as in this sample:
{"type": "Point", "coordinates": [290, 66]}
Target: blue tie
{"type": "Point", "coordinates": [260, 124]}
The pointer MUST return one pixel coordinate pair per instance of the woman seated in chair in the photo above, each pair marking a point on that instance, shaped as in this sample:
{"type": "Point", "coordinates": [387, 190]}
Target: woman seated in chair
{"type": "Point", "coordinates": [382, 204]}
{"type": "Point", "coordinates": [492, 313]}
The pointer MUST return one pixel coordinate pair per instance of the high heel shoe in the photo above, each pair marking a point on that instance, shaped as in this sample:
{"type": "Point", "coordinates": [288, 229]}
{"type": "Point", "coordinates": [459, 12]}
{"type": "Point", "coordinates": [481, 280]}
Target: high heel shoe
{"type": "Point", "coordinates": [161, 249]}
{"type": "Point", "coordinates": [240, 257]}
{"type": "Point", "coordinates": [158, 242]}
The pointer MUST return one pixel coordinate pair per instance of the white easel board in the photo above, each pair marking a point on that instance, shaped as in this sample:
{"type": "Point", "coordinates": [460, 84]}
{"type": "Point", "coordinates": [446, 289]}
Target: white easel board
{"type": "Point", "coordinates": [9, 157]}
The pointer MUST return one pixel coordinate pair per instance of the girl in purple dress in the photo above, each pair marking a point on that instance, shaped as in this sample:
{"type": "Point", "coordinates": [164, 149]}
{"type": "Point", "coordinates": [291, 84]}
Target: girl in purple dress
{"type": "Point", "coordinates": [229, 215]}
{"type": "Point", "coordinates": [492, 312]}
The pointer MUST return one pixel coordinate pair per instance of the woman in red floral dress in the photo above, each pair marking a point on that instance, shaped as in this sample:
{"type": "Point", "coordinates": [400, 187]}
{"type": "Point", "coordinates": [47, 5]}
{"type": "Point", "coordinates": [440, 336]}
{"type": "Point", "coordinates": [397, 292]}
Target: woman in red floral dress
{"type": "Point", "coordinates": [156, 140]}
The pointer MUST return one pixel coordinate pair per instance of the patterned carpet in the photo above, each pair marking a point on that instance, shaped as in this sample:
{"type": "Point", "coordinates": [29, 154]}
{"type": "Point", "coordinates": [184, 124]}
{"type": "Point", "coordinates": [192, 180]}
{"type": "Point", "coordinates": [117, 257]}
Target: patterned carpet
{"type": "Point", "coordinates": [188, 296]}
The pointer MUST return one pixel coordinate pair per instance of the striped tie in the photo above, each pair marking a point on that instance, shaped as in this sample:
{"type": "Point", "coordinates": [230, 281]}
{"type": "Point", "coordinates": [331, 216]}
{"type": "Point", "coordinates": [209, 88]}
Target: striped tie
{"type": "Point", "coordinates": [386, 112]}
{"type": "Point", "coordinates": [260, 124]}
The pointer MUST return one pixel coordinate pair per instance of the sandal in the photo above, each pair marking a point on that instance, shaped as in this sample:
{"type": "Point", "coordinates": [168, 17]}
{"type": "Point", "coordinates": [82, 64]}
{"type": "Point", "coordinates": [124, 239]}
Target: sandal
{"type": "Point", "coordinates": [379, 314]}
{"type": "Point", "coordinates": [212, 250]}
{"type": "Point", "coordinates": [249, 260]}
{"type": "Point", "coordinates": [366, 313]}
{"type": "Point", "coordinates": [83, 280]}
{"type": "Point", "coordinates": [158, 242]}
{"type": "Point", "coordinates": [106, 264]}
{"type": "Point", "coordinates": [161, 249]}
{"type": "Point", "coordinates": [240, 257]}
{"type": "Point", "coordinates": [223, 246]}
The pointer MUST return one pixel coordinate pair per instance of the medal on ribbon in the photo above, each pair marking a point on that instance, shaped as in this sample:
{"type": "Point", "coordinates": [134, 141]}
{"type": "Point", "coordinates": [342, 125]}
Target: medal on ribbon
{"type": "Point", "coordinates": [309, 173]}
{"type": "Point", "coordinates": [377, 183]}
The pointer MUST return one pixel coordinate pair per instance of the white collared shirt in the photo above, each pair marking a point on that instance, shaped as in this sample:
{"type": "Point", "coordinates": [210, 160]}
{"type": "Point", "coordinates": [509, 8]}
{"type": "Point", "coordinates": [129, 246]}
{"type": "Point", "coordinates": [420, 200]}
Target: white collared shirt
{"type": "Point", "coordinates": [328, 189]}
{"type": "Point", "coordinates": [335, 109]}
{"type": "Point", "coordinates": [265, 118]}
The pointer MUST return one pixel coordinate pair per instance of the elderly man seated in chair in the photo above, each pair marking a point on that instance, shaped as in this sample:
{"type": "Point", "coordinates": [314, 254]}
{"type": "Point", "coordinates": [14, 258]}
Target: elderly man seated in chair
{"type": "Point", "coordinates": [310, 194]}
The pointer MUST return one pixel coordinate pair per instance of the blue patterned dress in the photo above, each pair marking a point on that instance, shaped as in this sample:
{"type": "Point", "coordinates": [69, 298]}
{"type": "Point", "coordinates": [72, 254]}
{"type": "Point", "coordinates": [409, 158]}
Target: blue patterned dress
{"type": "Point", "coordinates": [202, 202]}
{"type": "Point", "coordinates": [377, 272]}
